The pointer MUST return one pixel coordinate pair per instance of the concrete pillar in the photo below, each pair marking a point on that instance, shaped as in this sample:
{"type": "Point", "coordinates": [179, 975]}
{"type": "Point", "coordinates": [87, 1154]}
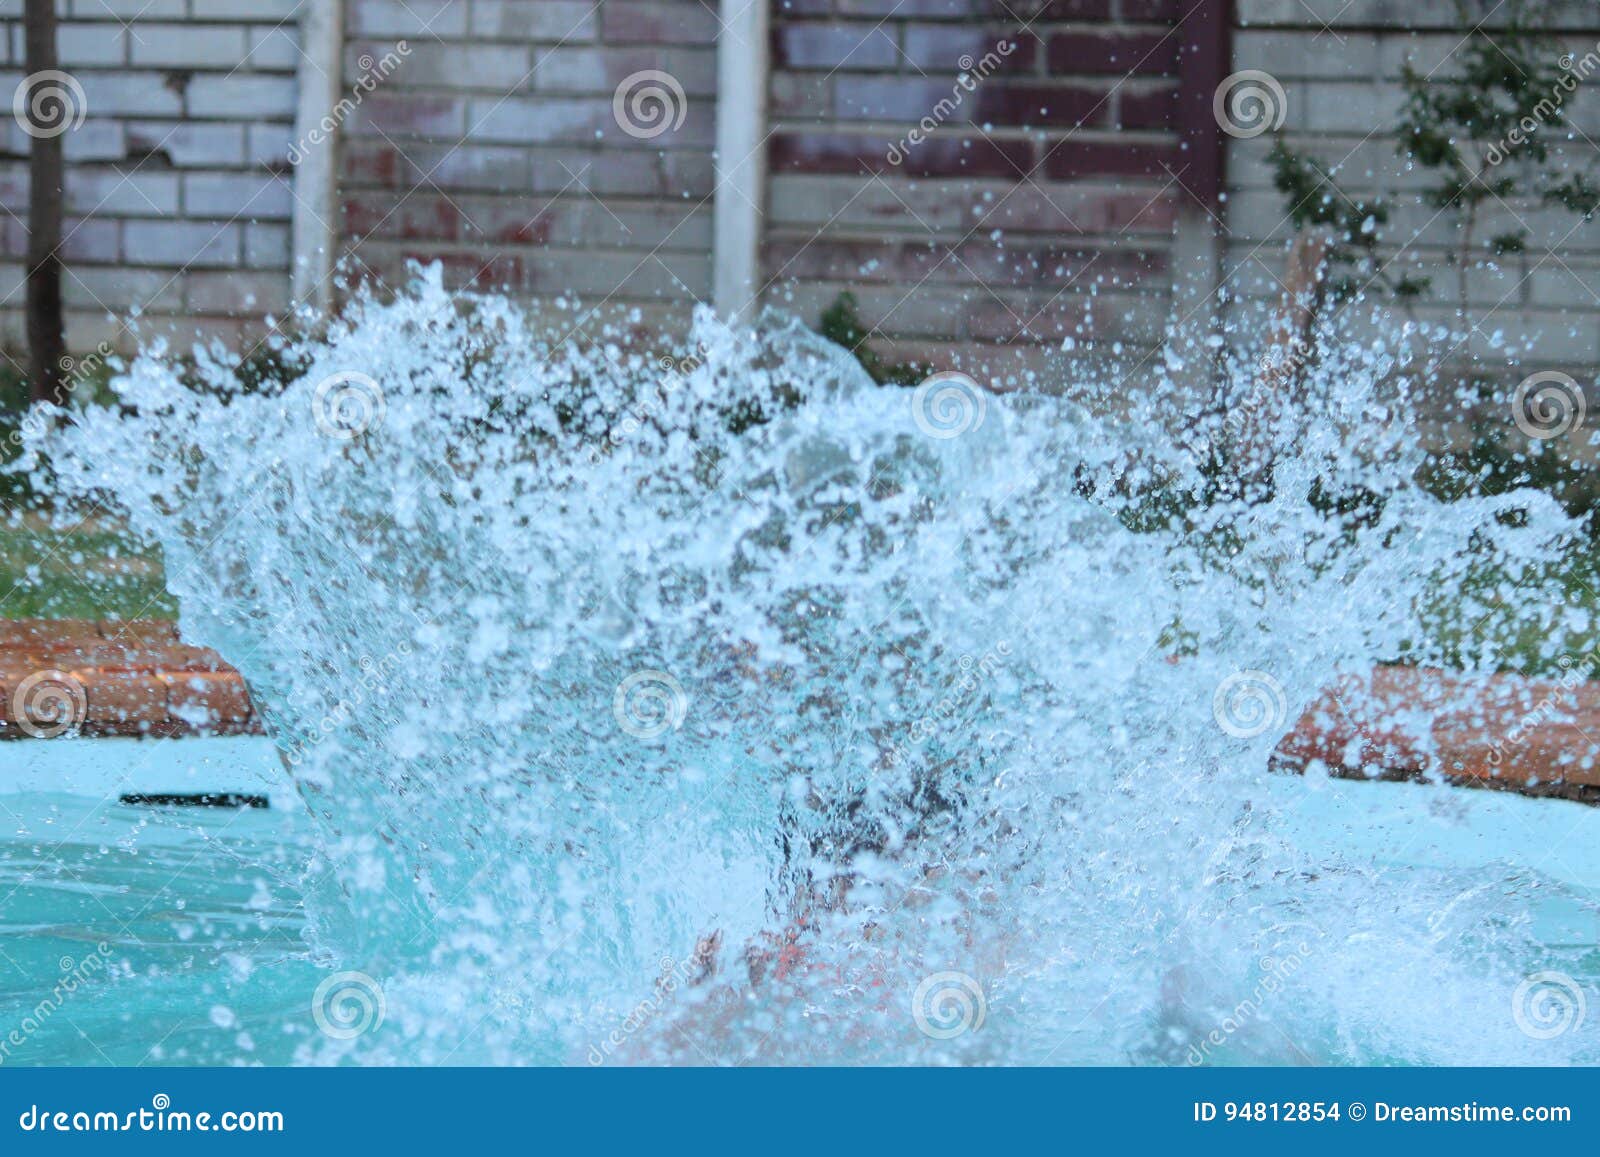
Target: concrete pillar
{"type": "Point", "coordinates": [739, 208]}
{"type": "Point", "coordinates": [316, 191]}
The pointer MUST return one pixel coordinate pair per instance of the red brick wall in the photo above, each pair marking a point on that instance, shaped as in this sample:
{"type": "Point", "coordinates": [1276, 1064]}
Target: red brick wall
{"type": "Point", "coordinates": [1041, 208]}
{"type": "Point", "coordinates": [494, 149]}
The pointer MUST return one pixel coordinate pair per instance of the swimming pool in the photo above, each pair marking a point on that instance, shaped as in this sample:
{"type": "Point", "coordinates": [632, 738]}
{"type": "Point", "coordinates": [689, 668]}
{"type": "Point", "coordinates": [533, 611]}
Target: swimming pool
{"type": "Point", "coordinates": [138, 935]}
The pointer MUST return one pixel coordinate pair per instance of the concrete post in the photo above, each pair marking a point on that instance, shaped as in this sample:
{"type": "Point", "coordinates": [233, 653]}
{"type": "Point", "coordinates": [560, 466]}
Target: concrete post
{"type": "Point", "coordinates": [742, 70]}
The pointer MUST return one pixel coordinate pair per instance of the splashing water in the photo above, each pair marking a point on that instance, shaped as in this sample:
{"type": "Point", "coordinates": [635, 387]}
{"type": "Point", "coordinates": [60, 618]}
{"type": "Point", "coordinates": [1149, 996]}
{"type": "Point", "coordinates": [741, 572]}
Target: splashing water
{"type": "Point", "coordinates": [732, 707]}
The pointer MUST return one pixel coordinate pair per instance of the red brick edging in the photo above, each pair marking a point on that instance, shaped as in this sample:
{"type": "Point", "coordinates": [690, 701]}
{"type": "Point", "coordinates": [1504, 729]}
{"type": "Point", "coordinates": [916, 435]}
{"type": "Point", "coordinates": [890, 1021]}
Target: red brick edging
{"type": "Point", "coordinates": [110, 677]}
{"type": "Point", "coordinates": [1538, 737]}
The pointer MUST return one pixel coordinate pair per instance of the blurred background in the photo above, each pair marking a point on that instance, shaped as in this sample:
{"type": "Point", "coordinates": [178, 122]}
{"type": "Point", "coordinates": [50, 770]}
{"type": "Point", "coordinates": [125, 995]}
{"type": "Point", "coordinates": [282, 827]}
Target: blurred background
{"type": "Point", "coordinates": [998, 186]}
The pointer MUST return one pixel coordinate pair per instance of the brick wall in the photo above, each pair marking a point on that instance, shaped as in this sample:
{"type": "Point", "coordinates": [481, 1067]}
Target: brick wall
{"type": "Point", "coordinates": [177, 200]}
{"type": "Point", "coordinates": [997, 232]}
{"type": "Point", "coordinates": [494, 149]}
{"type": "Point", "coordinates": [1339, 62]}
{"type": "Point", "coordinates": [1041, 206]}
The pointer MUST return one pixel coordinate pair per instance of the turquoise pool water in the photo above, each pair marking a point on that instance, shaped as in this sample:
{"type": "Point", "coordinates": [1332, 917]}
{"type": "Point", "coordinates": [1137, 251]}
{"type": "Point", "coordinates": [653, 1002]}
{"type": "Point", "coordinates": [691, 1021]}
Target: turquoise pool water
{"type": "Point", "coordinates": [146, 936]}
{"type": "Point", "coordinates": [135, 935]}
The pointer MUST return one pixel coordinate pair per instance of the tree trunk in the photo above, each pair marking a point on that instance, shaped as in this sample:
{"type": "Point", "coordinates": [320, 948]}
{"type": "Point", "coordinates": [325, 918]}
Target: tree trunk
{"type": "Point", "coordinates": [47, 347]}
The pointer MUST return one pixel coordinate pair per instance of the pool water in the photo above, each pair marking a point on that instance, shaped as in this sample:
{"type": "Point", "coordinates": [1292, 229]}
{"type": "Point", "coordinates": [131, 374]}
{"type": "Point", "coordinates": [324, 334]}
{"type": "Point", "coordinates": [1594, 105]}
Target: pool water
{"type": "Point", "coordinates": [136, 935]}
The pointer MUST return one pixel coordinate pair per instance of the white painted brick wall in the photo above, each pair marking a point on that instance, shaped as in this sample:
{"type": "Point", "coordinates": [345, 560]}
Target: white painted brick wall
{"type": "Point", "coordinates": [237, 96]}
{"type": "Point", "coordinates": [274, 48]}
{"type": "Point", "coordinates": [392, 18]}
{"type": "Point", "coordinates": [265, 245]}
{"type": "Point", "coordinates": [178, 179]}
{"type": "Point", "coordinates": [122, 192]}
{"type": "Point", "coordinates": [189, 46]}
{"type": "Point", "coordinates": [563, 21]}
{"type": "Point", "coordinates": [87, 44]}
{"type": "Point", "coordinates": [182, 244]}
{"type": "Point", "coordinates": [1340, 75]}
{"type": "Point", "coordinates": [228, 196]}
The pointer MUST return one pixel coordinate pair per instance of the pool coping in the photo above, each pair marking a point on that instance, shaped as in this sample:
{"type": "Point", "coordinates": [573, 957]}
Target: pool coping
{"type": "Point", "coordinates": [1538, 737]}
{"type": "Point", "coordinates": [105, 677]}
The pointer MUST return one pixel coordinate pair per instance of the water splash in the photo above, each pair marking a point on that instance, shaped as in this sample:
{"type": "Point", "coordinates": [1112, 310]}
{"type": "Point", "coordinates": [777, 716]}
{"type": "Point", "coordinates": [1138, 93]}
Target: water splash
{"type": "Point", "coordinates": [727, 706]}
